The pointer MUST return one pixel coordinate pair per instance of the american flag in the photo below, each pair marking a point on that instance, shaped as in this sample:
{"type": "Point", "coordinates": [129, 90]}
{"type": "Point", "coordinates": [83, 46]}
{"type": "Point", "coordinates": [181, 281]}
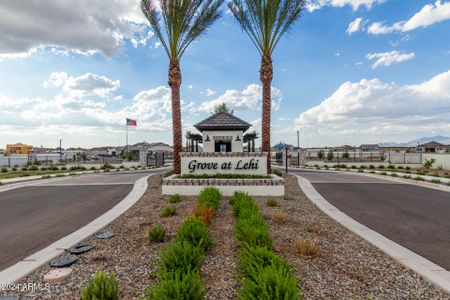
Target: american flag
{"type": "Point", "coordinates": [131, 122]}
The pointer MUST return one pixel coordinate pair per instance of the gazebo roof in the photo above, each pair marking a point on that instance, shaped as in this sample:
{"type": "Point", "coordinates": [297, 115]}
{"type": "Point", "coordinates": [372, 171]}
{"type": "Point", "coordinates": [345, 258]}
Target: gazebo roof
{"type": "Point", "coordinates": [222, 121]}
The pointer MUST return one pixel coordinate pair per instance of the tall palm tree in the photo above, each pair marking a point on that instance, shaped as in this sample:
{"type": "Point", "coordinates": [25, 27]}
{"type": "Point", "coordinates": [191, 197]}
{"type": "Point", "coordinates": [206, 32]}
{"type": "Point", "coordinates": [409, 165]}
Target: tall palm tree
{"type": "Point", "coordinates": [265, 22]}
{"type": "Point", "coordinates": [177, 23]}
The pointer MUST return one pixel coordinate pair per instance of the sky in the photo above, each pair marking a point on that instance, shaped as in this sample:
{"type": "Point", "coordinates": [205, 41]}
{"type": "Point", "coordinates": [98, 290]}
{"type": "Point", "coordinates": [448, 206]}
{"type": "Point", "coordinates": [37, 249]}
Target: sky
{"type": "Point", "coordinates": [349, 71]}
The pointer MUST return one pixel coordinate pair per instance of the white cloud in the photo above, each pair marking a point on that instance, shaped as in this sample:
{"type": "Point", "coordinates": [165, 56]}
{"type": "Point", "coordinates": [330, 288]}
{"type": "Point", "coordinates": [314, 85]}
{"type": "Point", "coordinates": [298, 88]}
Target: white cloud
{"type": "Point", "coordinates": [210, 92]}
{"type": "Point", "coordinates": [88, 84]}
{"type": "Point", "coordinates": [427, 16]}
{"type": "Point", "coordinates": [386, 59]}
{"type": "Point", "coordinates": [355, 4]}
{"type": "Point", "coordinates": [82, 26]}
{"type": "Point", "coordinates": [248, 99]}
{"type": "Point", "coordinates": [354, 26]}
{"type": "Point", "coordinates": [373, 107]}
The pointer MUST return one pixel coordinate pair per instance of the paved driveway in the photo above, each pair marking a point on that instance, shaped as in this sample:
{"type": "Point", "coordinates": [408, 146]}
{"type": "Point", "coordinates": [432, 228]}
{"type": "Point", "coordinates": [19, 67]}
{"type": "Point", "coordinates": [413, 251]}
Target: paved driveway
{"type": "Point", "coordinates": [415, 217]}
{"type": "Point", "coordinates": [37, 215]}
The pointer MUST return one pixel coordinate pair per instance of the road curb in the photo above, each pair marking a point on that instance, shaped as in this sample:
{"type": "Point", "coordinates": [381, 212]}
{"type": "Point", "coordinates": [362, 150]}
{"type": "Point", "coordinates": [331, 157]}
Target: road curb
{"type": "Point", "coordinates": [34, 261]}
{"type": "Point", "coordinates": [425, 268]}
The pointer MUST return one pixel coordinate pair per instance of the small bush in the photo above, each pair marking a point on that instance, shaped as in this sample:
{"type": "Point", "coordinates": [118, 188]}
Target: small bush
{"type": "Point", "coordinates": [93, 168]}
{"type": "Point", "coordinates": [305, 248]}
{"type": "Point", "coordinates": [252, 259]}
{"type": "Point", "coordinates": [181, 256]}
{"type": "Point", "coordinates": [59, 175]}
{"type": "Point", "coordinates": [1, 183]}
{"type": "Point", "coordinates": [34, 168]}
{"type": "Point", "coordinates": [435, 181]}
{"type": "Point", "coordinates": [309, 228]}
{"type": "Point", "coordinates": [371, 167]}
{"type": "Point", "coordinates": [272, 283]}
{"type": "Point", "coordinates": [44, 168]}
{"type": "Point", "coordinates": [408, 168]}
{"type": "Point", "coordinates": [360, 171]}
{"type": "Point", "coordinates": [175, 198]}
{"type": "Point", "coordinates": [14, 169]}
{"type": "Point", "coordinates": [278, 173]}
{"type": "Point", "coordinates": [210, 197]}
{"type": "Point", "coordinates": [168, 211]}
{"type": "Point", "coordinates": [205, 214]}
{"type": "Point", "coordinates": [194, 231]}
{"type": "Point", "coordinates": [418, 178]}
{"type": "Point", "coordinates": [24, 169]}
{"type": "Point", "coordinates": [46, 177]}
{"type": "Point", "coordinates": [279, 217]}
{"type": "Point", "coordinates": [178, 285]}
{"type": "Point", "coordinates": [253, 231]}
{"type": "Point", "coordinates": [394, 175]}
{"type": "Point", "coordinates": [272, 202]}
{"type": "Point", "coordinates": [362, 167]}
{"type": "Point", "coordinates": [156, 233]}
{"type": "Point", "coordinates": [4, 170]}
{"type": "Point", "coordinates": [391, 166]}
{"type": "Point", "coordinates": [63, 168]}
{"type": "Point", "coordinates": [53, 168]}
{"type": "Point", "coordinates": [383, 173]}
{"type": "Point", "coordinates": [380, 167]}
{"type": "Point", "coordinates": [101, 287]}
{"type": "Point", "coordinates": [407, 176]}
{"type": "Point", "coordinates": [353, 167]}
{"type": "Point", "coordinates": [400, 167]}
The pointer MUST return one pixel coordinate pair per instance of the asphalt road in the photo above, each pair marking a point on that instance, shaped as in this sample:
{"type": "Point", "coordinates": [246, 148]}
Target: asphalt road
{"type": "Point", "coordinates": [37, 215]}
{"type": "Point", "coordinates": [415, 217]}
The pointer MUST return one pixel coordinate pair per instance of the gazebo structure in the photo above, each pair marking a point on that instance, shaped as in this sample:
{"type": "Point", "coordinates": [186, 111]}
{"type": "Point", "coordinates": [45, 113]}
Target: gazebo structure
{"type": "Point", "coordinates": [222, 132]}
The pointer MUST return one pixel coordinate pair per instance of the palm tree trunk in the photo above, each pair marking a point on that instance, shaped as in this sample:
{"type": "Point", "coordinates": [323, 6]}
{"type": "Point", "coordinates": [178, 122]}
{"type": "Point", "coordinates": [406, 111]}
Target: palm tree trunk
{"type": "Point", "coordinates": [266, 75]}
{"type": "Point", "coordinates": [175, 83]}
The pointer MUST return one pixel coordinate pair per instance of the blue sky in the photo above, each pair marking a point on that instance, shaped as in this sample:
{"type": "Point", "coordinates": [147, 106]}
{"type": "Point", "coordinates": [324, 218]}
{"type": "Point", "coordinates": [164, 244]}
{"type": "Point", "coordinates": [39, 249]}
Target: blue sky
{"type": "Point", "coordinates": [354, 71]}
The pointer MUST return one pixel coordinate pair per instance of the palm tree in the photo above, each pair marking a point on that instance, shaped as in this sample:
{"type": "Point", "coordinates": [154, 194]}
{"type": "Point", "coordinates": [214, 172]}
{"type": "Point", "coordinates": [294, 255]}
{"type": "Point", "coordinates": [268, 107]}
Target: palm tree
{"type": "Point", "coordinates": [266, 21]}
{"type": "Point", "coordinates": [177, 23]}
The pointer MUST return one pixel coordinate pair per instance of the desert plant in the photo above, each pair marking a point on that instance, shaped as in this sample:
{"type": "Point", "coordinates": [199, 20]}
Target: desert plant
{"type": "Point", "coordinates": [272, 202]}
{"type": "Point", "coordinates": [205, 214]}
{"type": "Point", "coordinates": [156, 233]}
{"type": "Point", "coordinates": [309, 228]}
{"type": "Point", "coordinates": [353, 167]}
{"type": "Point", "coordinates": [394, 175]}
{"type": "Point", "coordinates": [4, 170]}
{"type": "Point", "coordinates": [271, 283]}
{"type": "Point", "coordinates": [371, 167]}
{"type": "Point", "coordinates": [391, 167]}
{"type": "Point", "coordinates": [178, 285]}
{"type": "Point", "coordinates": [194, 231]}
{"type": "Point", "coordinates": [278, 173]}
{"type": "Point", "coordinates": [435, 181]}
{"type": "Point", "coordinates": [101, 287]}
{"type": "Point", "coordinates": [181, 256]}
{"type": "Point", "coordinates": [175, 198]}
{"type": "Point", "coordinates": [305, 248]}
{"type": "Point", "coordinates": [278, 217]}
{"type": "Point", "coordinates": [46, 177]}
{"type": "Point", "coordinates": [418, 178]}
{"type": "Point", "coordinates": [253, 231]}
{"type": "Point", "coordinates": [210, 197]}
{"type": "Point", "coordinates": [252, 259]}
{"type": "Point", "coordinates": [168, 211]}
{"type": "Point", "coordinates": [429, 163]}
{"type": "Point", "coordinates": [381, 167]}
{"type": "Point", "coordinates": [383, 173]}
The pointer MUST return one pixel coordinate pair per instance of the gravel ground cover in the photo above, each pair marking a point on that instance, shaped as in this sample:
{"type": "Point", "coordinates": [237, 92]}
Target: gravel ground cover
{"type": "Point", "coordinates": [129, 253]}
{"type": "Point", "coordinates": [347, 267]}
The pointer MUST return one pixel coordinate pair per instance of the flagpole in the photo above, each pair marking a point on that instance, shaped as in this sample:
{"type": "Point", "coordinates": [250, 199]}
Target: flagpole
{"type": "Point", "coordinates": [126, 130]}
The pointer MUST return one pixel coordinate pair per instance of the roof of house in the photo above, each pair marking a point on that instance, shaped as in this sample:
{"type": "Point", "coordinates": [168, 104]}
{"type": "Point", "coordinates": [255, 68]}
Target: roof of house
{"type": "Point", "coordinates": [432, 144]}
{"type": "Point", "coordinates": [222, 121]}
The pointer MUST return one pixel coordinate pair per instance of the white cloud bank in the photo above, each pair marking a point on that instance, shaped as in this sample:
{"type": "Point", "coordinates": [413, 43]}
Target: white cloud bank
{"type": "Point", "coordinates": [355, 4]}
{"type": "Point", "coordinates": [373, 107]}
{"type": "Point", "coordinates": [427, 16]}
{"type": "Point", "coordinates": [81, 26]}
{"type": "Point", "coordinates": [386, 59]}
{"type": "Point", "coordinates": [248, 99]}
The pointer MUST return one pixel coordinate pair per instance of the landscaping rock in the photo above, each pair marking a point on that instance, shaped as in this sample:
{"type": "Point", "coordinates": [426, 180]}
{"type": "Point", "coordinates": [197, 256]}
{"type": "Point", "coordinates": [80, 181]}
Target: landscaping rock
{"type": "Point", "coordinates": [80, 249]}
{"type": "Point", "coordinates": [57, 275]}
{"type": "Point", "coordinates": [104, 235]}
{"type": "Point", "coordinates": [63, 261]}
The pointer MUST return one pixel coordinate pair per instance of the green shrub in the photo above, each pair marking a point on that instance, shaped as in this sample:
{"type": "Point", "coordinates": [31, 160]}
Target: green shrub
{"type": "Point", "coordinates": [44, 168]}
{"type": "Point", "coordinates": [394, 175]}
{"type": "Point", "coordinates": [156, 233]}
{"type": "Point", "coordinates": [353, 167]}
{"type": "Point", "coordinates": [253, 259]}
{"type": "Point", "coordinates": [175, 198]}
{"type": "Point", "coordinates": [400, 167]}
{"type": "Point", "coordinates": [210, 197]}
{"type": "Point", "coordinates": [46, 177]}
{"type": "Point", "coordinates": [271, 283]}
{"type": "Point", "coordinates": [418, 178]}
{"type": "Point", "coordinates": [407, 176]}
{"type": "Point", "coordinates": [59, 175]}
{"type": "Point", "coordinates": [408, 168]}
{"type": "Point", "coordinates": [63, 168]}
{"type": "Point", "coordinates": [272, 202]}
{"type": "Point", "coordinates": [380, 167]}
{"type": "Point", "coordinates": [53, 168]}
{"type": "Point", "coordinates": [253, 231]}
{"type": "Point", "coordinates": [34, 168]}
{"type": "Point", "coordinates": [24, 169]}
{"type": "Point", "coordinates": [371, 167]}
{"type": "Point", "coordinates": [278, 173]}
{"type": "Point", "coordinates": [383, 173]}
{"type": "Point", "coordinates": [4, 170]}
{"type": "Point", "coordinates": [1, 183]}
{"type": "Point", "coordinates": [362, 167]}
{"type": "Point", "coordinates": [360, 171]}
{"type": "Point", "coordinates": [181, 256]}
{"type": "Point", "coordinates": [168, 211]}
{"type": "Point", "coordinates": [435, 181]}
{"type": "Point", "coordinates": [391, 166]}
{"type": "Point", "coordinates": [101, 287]}
{"type": "Point", "coordinates": [178, 286]}
{"type": "Point", "coordinates": [194, 231]}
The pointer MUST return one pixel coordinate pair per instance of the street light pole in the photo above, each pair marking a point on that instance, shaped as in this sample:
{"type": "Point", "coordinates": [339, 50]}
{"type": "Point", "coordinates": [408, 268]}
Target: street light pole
{"type": "Point", "coordinates": [60, 150]}
{"type": "Point", "coordinates": [298, 148]}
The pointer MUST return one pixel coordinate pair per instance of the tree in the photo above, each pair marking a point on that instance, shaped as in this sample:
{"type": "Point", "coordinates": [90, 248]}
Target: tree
{"type": "Point", "coordinates": [177, 23]}
{"type": "Point", "coordinates": [346, 155]}
{"type": "Point", "coordinates": [320, 154]}
{"type": "Point", "coordinates": [330, 155]}
{"type": "Point", "coordinates": [265, 22]}
{"type": "Point", "coordinates": [223, 107]}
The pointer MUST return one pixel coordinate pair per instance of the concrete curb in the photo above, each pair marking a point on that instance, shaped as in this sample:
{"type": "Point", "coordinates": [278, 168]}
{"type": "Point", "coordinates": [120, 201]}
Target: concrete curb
{"type": "Point", "coordinates": [425, 268]}
{"type": "Point", "coordinates": [34, 261]}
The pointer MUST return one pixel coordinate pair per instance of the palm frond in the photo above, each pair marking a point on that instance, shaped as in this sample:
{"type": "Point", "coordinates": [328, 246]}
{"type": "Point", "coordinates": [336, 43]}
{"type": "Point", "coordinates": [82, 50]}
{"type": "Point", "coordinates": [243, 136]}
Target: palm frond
{"type": "Point", "coordinates": [179, 22]}
{"type": "Point", "coordinates": [266, 21]}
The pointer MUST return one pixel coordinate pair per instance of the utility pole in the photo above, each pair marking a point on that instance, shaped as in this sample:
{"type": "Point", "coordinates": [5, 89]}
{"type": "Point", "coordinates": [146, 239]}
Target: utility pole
{"type": "Point", "coordinates": [60, 150]}
{"type": "Point", "coordinates": [298, 148]}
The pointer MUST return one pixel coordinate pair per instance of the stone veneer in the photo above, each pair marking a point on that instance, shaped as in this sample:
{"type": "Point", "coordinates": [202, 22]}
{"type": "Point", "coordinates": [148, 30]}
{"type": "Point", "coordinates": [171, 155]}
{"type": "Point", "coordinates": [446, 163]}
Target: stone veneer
{"type": "Point", "coordinates": [173, 180]}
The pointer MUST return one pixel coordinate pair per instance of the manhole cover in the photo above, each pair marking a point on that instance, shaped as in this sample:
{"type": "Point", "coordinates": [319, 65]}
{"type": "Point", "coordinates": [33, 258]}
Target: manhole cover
{"type": "Point", "coordinates": [63, 261]}
{"type": "Point", "coordinates": [57, 275]}
{"type": "Point", "coordinates": [80, 249]}
{"type": "Point", "coordinates": [104, 235]}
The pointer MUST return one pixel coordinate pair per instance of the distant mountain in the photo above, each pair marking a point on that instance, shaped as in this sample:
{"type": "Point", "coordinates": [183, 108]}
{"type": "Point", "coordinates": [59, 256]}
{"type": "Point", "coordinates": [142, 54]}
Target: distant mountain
{"type": "Point", "coordinates": [438, 138]}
